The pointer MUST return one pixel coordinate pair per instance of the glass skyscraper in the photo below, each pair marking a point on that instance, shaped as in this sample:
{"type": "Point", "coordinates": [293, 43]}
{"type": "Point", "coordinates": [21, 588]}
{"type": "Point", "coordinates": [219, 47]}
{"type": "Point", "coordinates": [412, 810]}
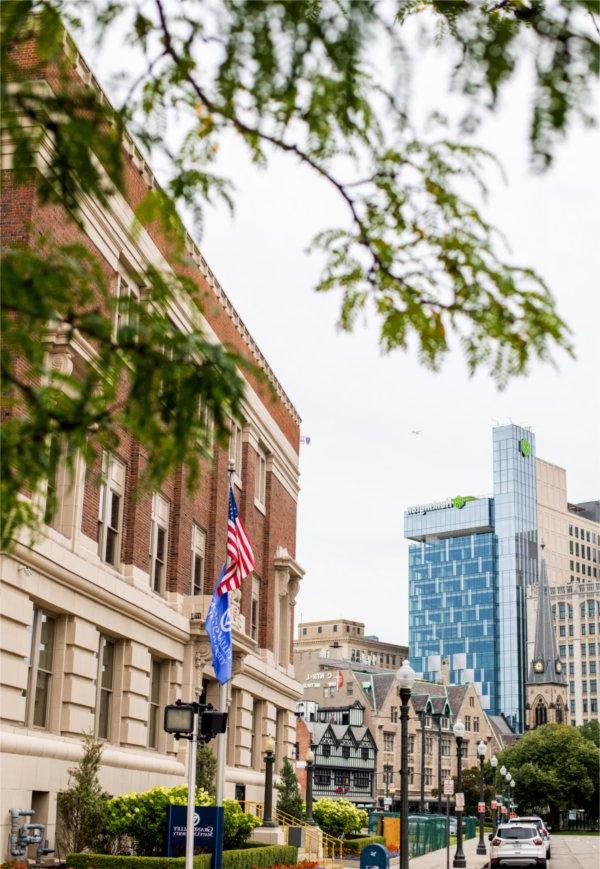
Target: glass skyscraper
{"type": "Point", "coordinates": [469, 566]}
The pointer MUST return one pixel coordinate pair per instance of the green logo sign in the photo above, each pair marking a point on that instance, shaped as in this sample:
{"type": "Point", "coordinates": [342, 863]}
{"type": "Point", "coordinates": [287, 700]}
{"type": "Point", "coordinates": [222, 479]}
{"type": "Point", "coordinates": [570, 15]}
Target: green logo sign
{"type": "Point", "coordinates": [460, 501]}
{"type": "Point", "coordinates": [525, 448]}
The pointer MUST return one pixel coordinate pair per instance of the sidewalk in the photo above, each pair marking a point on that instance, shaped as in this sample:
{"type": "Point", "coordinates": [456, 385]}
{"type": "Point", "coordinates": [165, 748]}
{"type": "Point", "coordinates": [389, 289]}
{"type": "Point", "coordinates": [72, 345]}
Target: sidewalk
{"type": "Point", "coordinates": [437, 859]}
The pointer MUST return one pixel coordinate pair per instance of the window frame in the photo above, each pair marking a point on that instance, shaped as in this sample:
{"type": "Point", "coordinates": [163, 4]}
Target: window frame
{"type": "Point", "coordinates": [154, 706]}
{"type": "Point", "coordinates": [114, 473]}
{"type": "Point", "coordinates": [198, 555]}
{"type": "Point", "coordinates": [101, 690]}
{"type": "Point", "coordinates": [260, 480]}
{"type": "Point", "coordinates": [236, 441]}
{"type": "Point", "coordinates": [158, 524]}
{"type": "Point", "coordinates": [40, 616]}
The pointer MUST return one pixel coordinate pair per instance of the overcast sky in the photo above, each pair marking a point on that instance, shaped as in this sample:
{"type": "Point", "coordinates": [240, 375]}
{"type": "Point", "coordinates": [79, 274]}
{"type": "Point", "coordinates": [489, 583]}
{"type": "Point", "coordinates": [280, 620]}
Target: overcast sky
{"type": "Point", "coordinates": [364, 466]}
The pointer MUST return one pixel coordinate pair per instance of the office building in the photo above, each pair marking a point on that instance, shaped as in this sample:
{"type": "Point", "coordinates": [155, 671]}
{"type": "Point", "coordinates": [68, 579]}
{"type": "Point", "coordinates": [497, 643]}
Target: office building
{"type": "Point", "coordinates": [473, 569]}
{"type": "Point", "coordinates": [102, 614]}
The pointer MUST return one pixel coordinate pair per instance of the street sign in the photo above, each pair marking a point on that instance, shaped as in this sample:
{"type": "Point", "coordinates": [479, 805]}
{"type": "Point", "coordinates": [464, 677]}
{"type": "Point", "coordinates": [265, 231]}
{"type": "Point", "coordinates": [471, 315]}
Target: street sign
{"type": "Point", "coordinates": [459, 802]}
{"type": "Point", "coordinates": [503, 810]}
{"type": "Point", "coordinates": [481, 808]}
{"type": "Point", "coordinates": [494, 804]}
{"type": "Point", "coordinates": [208, 827]}
{"type": "Point", "coordinates": [448, 787]}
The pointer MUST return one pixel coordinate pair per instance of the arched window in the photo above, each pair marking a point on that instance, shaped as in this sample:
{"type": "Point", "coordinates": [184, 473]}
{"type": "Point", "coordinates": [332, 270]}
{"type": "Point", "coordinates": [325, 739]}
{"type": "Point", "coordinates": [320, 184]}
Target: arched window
{"type": "Point", "coordinates": [541, 713]}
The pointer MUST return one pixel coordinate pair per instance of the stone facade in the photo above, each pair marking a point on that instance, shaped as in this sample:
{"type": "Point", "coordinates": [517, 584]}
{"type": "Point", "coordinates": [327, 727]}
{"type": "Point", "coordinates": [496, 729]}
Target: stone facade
{"type": "Point", "coordinates": [434, 707]}
{"type": "Point", "coordinates": [92, 643]}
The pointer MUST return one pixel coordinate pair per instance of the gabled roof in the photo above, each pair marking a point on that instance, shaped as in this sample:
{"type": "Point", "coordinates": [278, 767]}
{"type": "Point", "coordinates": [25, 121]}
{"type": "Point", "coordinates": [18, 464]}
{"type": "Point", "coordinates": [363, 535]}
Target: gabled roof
{"type": "Point", "coordinates": [456, 696]}
{"type": "Point", "coordinates": [545, 648]}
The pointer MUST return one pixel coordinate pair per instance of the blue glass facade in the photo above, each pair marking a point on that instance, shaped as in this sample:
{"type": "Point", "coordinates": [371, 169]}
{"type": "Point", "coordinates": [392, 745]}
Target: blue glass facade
{"type": "Point", "coordinates": [468, 571]}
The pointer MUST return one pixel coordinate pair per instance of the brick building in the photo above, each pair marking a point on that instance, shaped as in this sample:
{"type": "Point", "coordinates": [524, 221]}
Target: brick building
{"type": "Point", "coordinates": [434, 707]}
{"type": "Point", "coordinates": [102, 615]}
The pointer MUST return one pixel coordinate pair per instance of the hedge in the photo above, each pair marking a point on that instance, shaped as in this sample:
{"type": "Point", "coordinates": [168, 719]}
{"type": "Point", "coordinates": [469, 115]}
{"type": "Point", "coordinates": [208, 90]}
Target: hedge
{"type": "Point", "coordinates": [261, 856]}
{"type": "Point", "coordinates": [355, 846]}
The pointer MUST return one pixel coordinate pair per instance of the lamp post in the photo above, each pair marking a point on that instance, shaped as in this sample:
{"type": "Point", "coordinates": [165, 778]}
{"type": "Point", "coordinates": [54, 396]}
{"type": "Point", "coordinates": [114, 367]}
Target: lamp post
{"type": "Point", "coordinates": [310, 769]}
{"type": "Point", "coordinates": [481, 749]}
{"type": "Point", "coordinates": [459, 861]}
{"type": "Point", "coordinates": [512, 785]}
{"type": "Point", "coordinates": [439, 769]}
{"type": "Point", "coordinates": [406, 679]}
{"type": "Point", "coordinates": [494, 763]}
{"type": "Point", "coordinates": [502, 786]}
{"type": "Point", "coordinates": [422, 716]}
{"type": "Point", "coordinates": [392, 792]}
{"type": "Point", "coordinates": [269, 749]}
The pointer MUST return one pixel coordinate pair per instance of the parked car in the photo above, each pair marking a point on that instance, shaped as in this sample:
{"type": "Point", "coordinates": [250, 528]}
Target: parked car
{"type": "Point", "coordinates": [517, 845]}
{"type": "Point", "coordinates": [541, 827]}
{"type": "Point", "coordinates": [454, 825]}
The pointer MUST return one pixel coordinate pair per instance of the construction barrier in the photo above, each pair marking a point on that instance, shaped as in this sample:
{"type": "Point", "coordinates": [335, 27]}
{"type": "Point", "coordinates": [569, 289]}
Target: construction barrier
{"type": "Point", "coordinates": [426, 832]}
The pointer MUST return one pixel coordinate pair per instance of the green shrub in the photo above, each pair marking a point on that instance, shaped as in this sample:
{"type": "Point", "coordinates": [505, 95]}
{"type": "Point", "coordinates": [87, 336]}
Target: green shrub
{"type": "Point", "coordinates": [261, 857]}
{"type": "Point", "coordinates": [339, 817]}
{"type": "Point", "coordinates": [237, 825]}
{"type": "Point", "coordinates": [139, 820]}
{"type": "Point", "coordinates": [355, 846]}
{"type": "Point", "coordinates": [81, 808]}
{"type": "Point", "coordinates": [289, 799]}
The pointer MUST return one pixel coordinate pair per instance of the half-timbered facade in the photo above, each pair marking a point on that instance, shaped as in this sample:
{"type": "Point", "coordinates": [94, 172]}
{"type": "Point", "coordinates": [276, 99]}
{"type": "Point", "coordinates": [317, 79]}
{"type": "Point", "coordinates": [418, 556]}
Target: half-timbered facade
{"type": "Point", "coordinates": [345, 753]}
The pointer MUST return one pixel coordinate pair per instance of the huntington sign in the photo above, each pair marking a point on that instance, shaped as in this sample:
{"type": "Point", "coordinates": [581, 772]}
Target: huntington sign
{"type": "Point", "coordinates": [458, 502]}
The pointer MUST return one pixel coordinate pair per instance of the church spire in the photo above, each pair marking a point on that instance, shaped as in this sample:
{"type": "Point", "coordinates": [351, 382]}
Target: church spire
{"type": "Point", "coordinates": [546, 667]}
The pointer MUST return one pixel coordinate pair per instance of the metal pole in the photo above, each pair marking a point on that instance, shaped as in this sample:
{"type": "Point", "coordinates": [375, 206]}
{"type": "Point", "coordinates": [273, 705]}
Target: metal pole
{"type": "Point", "coordinates": [459, 861]}
{"type": "Point", "coordinates": [222, 737]}
{"type": "Point", "coordinates": [448, 832]}
{"type": "Point", "coordinates": [268, 807]}
{"type": "Point", "coordinates": [191, 800]}
{"type": "Point", "coordinates": [422, 800]}
{"type": "Point", "coordinates": [439, 721]}
{"type": "Point", "coordinates": [481, 849]}
{"type": "Point", "coordinates": [404, 698]}
{"type": "Point", "coordinates": [494, 811]}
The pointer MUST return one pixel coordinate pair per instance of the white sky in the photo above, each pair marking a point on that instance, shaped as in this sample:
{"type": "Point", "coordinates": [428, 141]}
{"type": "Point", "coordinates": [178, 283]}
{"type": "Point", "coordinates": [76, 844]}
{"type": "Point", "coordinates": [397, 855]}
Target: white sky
{"type": "Point", "coordinates": [363, 466]}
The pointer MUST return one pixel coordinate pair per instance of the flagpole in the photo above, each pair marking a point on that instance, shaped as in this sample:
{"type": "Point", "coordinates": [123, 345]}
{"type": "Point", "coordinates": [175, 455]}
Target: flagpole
{"type": "Point", "coordinates": [222, 737]}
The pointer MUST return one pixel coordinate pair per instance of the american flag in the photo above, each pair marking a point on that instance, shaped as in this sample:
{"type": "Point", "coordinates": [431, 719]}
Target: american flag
{"type": "Point", "coordinates": [240, 558]}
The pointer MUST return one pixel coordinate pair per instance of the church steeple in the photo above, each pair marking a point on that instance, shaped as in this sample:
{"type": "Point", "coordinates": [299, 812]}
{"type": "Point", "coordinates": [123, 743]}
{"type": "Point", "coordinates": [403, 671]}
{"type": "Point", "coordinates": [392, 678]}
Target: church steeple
{"type": "Point", "coordinates": [546, 667]}
{"type": "Point", "coordinates": [547, 683]}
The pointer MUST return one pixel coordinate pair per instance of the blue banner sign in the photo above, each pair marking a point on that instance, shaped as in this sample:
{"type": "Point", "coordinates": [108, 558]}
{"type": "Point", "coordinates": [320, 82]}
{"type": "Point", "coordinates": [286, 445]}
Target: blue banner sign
{"type": "Point", "coordinates": [208, 829]}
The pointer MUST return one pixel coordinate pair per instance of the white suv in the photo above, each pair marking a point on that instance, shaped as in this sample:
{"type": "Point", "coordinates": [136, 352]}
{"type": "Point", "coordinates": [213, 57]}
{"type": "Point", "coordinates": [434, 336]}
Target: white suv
{"type": "Point", "coordinates": [541, 828]}
{"type": "Point", "coordinates": [517, 844]}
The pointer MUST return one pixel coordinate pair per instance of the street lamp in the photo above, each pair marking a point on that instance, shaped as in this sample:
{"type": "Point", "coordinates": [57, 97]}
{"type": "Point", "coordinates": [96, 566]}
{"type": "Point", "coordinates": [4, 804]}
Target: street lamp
{"type": "Point", "coordinates": [310, 768]}
{"type": "Point", "coordinates": [392, 792]}
{"type": "Point", "coordinates": [481, 750]}
{"type": "Point", "coordinates": [406, 679]}
{"type": "Point", "coordinates": [494, 763]}
{"type": "Point", "coordinates": [422, 716]}
{"type": "Point", "coordinates": [512, 784]}
{"type": "Point", "coordinates": [459, 861]}
{"type": "Point", "coordinates": [438, 717]}
{"type": "Point", "coordinates": [269, 749]}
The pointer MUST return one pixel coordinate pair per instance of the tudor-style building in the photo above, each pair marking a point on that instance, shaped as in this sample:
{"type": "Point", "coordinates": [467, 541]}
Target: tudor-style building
{"type": "Point", "coordinates": [547, 683]}
{"type": "Point", "coordinates": [344, 749]}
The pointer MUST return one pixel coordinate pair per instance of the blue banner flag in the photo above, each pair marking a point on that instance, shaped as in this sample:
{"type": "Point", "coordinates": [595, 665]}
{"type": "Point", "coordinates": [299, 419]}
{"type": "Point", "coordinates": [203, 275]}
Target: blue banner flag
{"type": "Point", "coordinates": [218, 628]}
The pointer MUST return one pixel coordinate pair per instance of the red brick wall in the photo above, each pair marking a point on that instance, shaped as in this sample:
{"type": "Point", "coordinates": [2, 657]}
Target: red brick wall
{"type": "Point", "coordinates": [207, 506]}
{"type": "Point", "coordinates": [303, 736]}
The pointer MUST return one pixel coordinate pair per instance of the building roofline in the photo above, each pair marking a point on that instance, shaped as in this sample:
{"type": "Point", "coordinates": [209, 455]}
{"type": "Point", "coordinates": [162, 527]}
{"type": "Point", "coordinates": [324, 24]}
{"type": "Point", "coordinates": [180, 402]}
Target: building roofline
{"type": "Point", "coordinates": [134, 151]}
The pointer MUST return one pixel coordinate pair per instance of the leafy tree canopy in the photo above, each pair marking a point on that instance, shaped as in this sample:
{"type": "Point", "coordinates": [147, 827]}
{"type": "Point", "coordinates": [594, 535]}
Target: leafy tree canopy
{"type": "Point", "coordinates": [555, 767]}
{"type": "Point", "coordinates": [591, 731]}
{"type": "Point", "coordinates": [326, 82]}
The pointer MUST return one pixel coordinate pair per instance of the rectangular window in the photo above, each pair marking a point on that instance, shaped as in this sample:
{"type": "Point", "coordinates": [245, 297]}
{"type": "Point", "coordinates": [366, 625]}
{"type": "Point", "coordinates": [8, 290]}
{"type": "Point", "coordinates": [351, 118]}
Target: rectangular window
{"type": "Point", "coordinates": [428, 745]}
{"type": "Point", "coordinates": [476, 724]}
{"type": "Point", "coordinates": [322, 777]}
{"type": "Point", "coordinates": [411, 775]}
{"type": "Point", "coordinates": [428, 776]}
{"type": "Point", "coordinates": [198, 556]}
{"type": "Point", "coordinates": [361, 780]}
{"type": "Point", "coordinates": [593, 705]}
{"type": "Point", "coordinates": [159, 534]}
{"type": "Point", "coordinates": [394, 714]}
{"type": "Point", "coordinates": [260, 481]}
{"type": "Point", "coordinates": [40, 669]}
{"type": "Point", "coordinates": [388, 741]}
{"type": "Point", "coordinates": [411, 744]}
{"type": "Point", "coordinates": [326, 750]}
{"type": "Point", "coordinates": [446, 747]}
{"type": "Point", "coordinates": [584, 686]}
{"type": "Point", "coordinates": [593, 686]}
{"type": "Point", "coordinates": [154, 704]}
{"type": "Point", "coordinates": [592, 649]}
{"type": "Point", "coordinates": [592, 668]}
{"type": "Point", "coordinates": [110, 509]}
{"type": "Point", "coordinates": [104, 687]}
{"type": "Point", "coordinates": [467, 722]}
{"type": "Point", "coordinates": [562, 651]}
{"type": "Point", "coordinates": [127, 297]}
{"type": "Point", "coordinates": [562, 630]}
{"type": "Point", "coordinates": [584, 668]}
{"type": "Point", "coordinates": [591, 628]}
{"type": "Point", "coordinates": [235, 449]}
